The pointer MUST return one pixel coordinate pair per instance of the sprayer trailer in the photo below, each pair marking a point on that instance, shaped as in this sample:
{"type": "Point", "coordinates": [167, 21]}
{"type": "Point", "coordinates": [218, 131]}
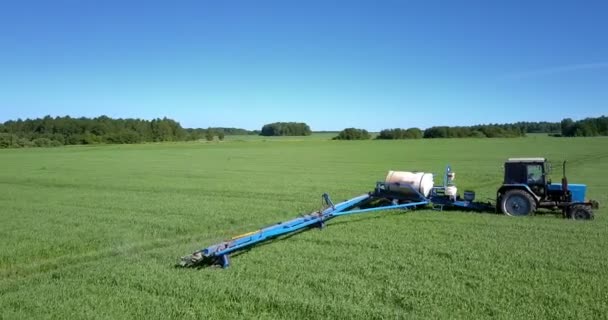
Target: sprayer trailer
{"type": "Point", "coordinates": [400, 190]}
{"type": "Point", "coordinates": [526, 188]}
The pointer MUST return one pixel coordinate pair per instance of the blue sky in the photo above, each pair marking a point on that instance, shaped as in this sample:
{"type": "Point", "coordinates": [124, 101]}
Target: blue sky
{"type": "Point", "coordinates": [332, 64]}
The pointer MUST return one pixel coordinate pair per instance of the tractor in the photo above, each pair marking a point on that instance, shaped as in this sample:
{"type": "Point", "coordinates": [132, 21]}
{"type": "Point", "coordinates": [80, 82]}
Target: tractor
{"type": "Point", "coordinates": [527, 188]}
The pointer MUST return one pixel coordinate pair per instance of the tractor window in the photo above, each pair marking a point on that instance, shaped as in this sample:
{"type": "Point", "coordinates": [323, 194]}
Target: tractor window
{"type": "Point", "coordinates": [515, 173]}
{"type": "Point", "coordinates": [535, 173]}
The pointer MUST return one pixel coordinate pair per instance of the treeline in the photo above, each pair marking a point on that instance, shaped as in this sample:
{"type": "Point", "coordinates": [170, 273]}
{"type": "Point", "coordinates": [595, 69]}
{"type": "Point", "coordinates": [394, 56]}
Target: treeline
{"type": "Point", "coordinates": [537, 127]}
{"type": "Point", "coordinates": [411, 133]}
{"type": "Point", "coordinates": [517, 129]}
{"type": "Point", "coordinates": [209, 133]}
{"type": "Point", "coordinates": [233, 131]}
{"type": "Point", "coordinates": [58, 131]}
{"type": "Point", "coordinates": [568, 128]}
{"type": "Point", "coordinates": [585, 128]}
{"type": "Point", "coordinates": [286, 129]}
{"type": "Point", "coordinates": [49, 131]}
{"type": "Point", "coordinates": [480, 131]}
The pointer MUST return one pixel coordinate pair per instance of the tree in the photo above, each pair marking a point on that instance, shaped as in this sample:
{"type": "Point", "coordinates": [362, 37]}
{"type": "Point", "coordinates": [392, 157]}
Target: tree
{"type": "Point", "coordinates": [7, 140]}
{"type": "Point", "coordinates": [436, 132]}
{"type": "Point", "coordinates": [209, 135]}
{"type": "Point", "coordinates": [353, 134]}
{"type": "Point", "coordinates": [42, 142]}
{"type": "Point", "coordinates": [220, 135]}
{"type": "Point", "coordinates": [411, 133]}
{"type": "Point", "coordinates": [286, 129]}
{"type": "Point", "coordinates": [567, 126]}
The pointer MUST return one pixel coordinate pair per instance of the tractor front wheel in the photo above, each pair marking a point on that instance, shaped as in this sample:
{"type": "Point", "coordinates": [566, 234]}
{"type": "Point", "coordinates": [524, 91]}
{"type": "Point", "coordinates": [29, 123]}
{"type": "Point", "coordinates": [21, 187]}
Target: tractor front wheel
{"type": "Point", "coordinates": [580, 212]}
{"type": "Point", "coordinates": [517, 203]}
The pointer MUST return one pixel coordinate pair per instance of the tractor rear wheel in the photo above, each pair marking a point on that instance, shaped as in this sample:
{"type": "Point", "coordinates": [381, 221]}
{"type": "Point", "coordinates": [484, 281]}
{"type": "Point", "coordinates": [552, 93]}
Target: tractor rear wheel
{"type": "Point", "coordinates": [580, 212]}
{"type": "Point", "coordinates": [517, 203]}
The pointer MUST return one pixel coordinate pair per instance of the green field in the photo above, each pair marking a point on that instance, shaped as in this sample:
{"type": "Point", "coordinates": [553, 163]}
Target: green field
{"type": "Point", "coordinates": [94, 232]}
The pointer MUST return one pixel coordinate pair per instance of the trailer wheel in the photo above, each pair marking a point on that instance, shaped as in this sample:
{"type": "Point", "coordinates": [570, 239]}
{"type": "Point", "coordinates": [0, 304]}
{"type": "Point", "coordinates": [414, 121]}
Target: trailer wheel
{"type": "Point", "coordinates": [517, 203]}
{"type": "Point", "coordinates": [580, 212]}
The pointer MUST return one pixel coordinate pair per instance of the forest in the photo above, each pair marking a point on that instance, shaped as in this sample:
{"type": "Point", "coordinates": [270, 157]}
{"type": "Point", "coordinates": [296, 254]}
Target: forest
{"type": "Point", "coordinates": [567, 128]}
{"type": "Point", "coordinates": [589, 127]}
{"type": "Point", "coordinates": [58, 131]}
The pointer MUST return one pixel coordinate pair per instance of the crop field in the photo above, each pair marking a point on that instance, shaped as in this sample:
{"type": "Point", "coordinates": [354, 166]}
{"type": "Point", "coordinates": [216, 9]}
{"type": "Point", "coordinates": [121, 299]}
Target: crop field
{"type": "Point", "coordinates": [94, 233]}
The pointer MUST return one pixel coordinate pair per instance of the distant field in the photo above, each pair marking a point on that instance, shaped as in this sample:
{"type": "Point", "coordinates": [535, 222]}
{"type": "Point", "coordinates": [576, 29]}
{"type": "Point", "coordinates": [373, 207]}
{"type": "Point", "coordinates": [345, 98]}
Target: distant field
{"type": "Point", "coordinates": [94, 232]}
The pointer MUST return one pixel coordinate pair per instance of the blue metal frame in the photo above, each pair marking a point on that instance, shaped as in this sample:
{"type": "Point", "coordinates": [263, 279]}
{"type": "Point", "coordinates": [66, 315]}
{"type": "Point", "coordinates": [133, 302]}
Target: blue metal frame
{"type": "Point", "coordinates": [219, 253]}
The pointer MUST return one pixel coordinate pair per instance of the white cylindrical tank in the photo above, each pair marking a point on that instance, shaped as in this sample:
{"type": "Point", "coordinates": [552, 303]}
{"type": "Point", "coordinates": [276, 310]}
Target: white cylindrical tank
{"type": "Point", "coordinates": [400, 181]}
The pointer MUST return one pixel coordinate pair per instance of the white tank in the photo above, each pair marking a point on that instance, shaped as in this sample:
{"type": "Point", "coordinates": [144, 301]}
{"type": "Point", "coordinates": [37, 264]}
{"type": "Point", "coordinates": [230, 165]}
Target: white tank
{"type": "Point", "coordinates": [398, 181]}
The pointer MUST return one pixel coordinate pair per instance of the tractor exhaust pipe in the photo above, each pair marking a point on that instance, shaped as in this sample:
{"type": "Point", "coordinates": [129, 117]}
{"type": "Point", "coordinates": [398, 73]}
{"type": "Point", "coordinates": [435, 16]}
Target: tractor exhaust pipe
{"type": "Point", "coordinates": [564, 179]}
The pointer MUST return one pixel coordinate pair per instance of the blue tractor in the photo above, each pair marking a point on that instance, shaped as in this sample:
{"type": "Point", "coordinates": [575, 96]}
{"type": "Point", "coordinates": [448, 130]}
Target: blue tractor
{"type": "Point", "coordinates": [527, 188]}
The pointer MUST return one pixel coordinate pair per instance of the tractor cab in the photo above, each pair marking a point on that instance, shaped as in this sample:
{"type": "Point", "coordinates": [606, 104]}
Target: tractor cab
{"type": "Point", "coordinates": [532, 172]}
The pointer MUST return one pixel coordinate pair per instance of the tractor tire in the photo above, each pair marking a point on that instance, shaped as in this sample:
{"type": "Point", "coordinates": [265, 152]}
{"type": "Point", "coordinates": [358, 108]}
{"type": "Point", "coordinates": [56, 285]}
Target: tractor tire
{"type": "Point", "coordinates": [580, 212]}
{"type": "Point", "coordinates": [517, 203]}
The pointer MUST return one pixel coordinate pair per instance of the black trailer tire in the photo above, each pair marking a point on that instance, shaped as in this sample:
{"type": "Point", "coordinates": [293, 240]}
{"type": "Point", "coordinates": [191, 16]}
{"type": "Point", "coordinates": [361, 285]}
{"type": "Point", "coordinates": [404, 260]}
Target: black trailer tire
{"type": "Point", "coordinates": [517, 203]}
{"type": "Point", "coordinates": [580, 212]}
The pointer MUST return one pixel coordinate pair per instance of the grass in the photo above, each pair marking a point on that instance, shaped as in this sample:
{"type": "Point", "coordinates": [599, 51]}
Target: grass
{"type": "Point", "coordinates": [93, 232]}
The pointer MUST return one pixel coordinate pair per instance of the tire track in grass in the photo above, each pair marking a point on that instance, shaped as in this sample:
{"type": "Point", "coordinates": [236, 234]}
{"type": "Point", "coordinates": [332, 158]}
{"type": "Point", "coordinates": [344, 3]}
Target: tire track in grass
{"type": "Point", "coordinates": [13, 275]}
{"type": "Point", "coordinates": [54, 264]}
{"type": "Point", "coordinates": [236, 225]}
{"type": "Point", "coordinates": [196, 191]}
{"type": "Point", "coordinates": [587, 158]}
